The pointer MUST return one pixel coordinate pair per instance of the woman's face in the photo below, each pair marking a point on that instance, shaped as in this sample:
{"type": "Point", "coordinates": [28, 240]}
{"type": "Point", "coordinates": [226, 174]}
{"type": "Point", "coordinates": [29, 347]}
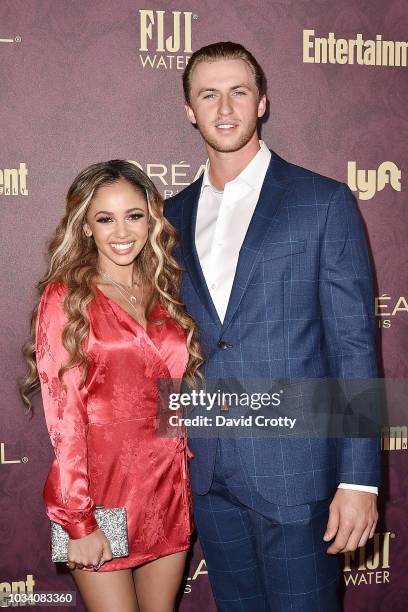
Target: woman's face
{"type": "Point", "coordinates": [117, 218]}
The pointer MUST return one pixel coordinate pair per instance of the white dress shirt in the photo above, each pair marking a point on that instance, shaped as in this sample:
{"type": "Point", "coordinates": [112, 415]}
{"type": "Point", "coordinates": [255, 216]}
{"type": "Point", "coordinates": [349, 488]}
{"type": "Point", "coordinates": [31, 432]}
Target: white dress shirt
{"type": "Point", "coordinates": [223, 218]}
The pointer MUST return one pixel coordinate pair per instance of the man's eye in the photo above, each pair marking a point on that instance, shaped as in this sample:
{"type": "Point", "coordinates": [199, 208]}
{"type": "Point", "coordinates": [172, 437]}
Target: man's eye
{"type": "Point", "coordinates": [104, 219]}
{"type": "Point", "coordinates": [240, 93]}
{"type": "Point", "coordinates": [208, 96]}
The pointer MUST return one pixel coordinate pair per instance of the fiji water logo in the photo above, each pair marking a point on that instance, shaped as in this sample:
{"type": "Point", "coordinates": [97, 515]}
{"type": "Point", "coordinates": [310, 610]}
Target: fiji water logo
{"type": "Point", "coordinates": [165, 38]}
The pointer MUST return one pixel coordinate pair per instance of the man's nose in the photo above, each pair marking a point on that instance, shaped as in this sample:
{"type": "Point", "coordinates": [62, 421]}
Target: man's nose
{"type": "Point", "coordinates": [225, 106]}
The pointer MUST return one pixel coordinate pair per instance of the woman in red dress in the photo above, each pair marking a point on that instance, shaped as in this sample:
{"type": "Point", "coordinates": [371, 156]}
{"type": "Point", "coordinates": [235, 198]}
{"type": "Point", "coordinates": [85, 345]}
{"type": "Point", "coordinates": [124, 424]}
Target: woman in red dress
{"type": "Point", "coordinates": [109, 324]}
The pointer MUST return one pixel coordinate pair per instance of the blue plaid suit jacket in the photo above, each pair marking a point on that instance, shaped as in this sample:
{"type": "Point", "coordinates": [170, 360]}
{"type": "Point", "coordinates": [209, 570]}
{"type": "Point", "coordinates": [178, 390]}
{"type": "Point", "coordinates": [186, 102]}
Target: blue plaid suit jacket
{"type": "Point", "coordinates": [301, 306]}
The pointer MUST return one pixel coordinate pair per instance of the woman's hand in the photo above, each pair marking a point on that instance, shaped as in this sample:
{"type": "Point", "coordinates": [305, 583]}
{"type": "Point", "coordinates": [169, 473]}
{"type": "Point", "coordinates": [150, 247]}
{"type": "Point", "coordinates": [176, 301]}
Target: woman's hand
{"type": "Point", "coordinates": [90, 551]}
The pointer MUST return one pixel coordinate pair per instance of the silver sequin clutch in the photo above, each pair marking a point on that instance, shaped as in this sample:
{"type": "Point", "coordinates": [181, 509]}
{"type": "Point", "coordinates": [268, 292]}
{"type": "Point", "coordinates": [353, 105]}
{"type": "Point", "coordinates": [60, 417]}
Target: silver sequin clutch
{"type": "Point", "coordinates": [113, 523]}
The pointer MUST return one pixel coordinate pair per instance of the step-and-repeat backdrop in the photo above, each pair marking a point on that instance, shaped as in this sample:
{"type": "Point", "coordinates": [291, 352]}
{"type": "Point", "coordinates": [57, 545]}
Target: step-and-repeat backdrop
{"type": "Point", "coordinates": [89, 80]}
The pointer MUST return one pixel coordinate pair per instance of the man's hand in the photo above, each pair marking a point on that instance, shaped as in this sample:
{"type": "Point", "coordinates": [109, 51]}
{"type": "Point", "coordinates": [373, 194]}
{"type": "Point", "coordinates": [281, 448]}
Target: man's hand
{"type": "Point", "coordinates": [353, 517]}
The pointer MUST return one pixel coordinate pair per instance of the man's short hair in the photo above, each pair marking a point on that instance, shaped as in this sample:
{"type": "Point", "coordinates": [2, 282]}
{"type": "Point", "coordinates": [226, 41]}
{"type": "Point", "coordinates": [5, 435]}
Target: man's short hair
{"type": "Point", "coordinates": [223, 51]}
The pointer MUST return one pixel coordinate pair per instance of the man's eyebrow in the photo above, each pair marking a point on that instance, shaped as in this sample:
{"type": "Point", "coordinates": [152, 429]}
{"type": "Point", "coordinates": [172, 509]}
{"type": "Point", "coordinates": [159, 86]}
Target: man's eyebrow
{"type": "Point", "coordinates": [200, 91]}
{"type": "Point", "coordinates": [245, 85]}
{"type": "Point", "coordinates": [204, 89]}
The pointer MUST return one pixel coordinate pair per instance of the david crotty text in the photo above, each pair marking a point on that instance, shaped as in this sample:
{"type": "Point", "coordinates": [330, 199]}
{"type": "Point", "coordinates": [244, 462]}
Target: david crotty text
{"type": "Point", "coordinates": [222, 421]}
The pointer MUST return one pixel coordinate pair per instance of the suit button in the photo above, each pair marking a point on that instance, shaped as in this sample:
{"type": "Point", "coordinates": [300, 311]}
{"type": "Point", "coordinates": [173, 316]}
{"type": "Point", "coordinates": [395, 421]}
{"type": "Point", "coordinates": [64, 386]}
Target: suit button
{"type": "Point", "coordinates": [224, 345]}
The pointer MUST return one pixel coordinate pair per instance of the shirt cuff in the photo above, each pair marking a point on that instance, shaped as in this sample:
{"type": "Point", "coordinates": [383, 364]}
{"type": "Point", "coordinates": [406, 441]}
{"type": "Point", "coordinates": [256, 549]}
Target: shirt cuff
{"type": "Point", "coordinates": [357, 487]}
{"type": "Point", "coordinates": [83, 528]}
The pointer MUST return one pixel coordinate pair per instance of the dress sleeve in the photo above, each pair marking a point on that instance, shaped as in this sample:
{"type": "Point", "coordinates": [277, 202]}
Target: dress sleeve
{"type": "Point", "coordinates": [66, 491]}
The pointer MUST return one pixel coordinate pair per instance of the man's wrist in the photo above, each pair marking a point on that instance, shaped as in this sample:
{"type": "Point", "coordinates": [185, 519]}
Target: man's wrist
{"type": "Point", "coordinates": [356, 487]}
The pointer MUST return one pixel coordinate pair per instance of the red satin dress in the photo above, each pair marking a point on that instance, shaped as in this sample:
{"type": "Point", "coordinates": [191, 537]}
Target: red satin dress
{"type": "Point", "coordinates": [107, 450]}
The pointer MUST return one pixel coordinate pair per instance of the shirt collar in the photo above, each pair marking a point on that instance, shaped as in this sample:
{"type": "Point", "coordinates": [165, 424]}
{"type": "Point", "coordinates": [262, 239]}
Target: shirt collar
{"type": "Point", "coordinates": [253, 174]}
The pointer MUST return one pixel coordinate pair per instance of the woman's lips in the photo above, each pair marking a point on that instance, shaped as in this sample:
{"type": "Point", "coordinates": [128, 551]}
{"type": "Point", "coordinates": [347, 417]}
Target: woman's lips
{"type": "Point", "coordinates": [122, 248]}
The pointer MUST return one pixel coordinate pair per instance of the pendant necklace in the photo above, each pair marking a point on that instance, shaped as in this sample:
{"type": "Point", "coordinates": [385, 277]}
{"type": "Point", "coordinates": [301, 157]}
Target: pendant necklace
{"type": "Point", "coordinates": [124, 291]}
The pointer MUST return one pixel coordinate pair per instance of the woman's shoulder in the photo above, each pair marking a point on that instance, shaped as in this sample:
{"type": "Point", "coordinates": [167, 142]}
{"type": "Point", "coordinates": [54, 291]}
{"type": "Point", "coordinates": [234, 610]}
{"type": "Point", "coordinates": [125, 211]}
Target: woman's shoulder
{"type": "Point", "coordinates": [51, 313]}
{"type": "Point", "coordinates": [56, 288]}
{"type": "Point", "coordinates": [54, 294]}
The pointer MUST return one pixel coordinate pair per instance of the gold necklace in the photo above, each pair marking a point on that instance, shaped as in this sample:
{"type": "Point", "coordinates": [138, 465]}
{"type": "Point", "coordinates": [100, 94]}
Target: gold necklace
{"type": "Point", "coordinates": [129, 297]}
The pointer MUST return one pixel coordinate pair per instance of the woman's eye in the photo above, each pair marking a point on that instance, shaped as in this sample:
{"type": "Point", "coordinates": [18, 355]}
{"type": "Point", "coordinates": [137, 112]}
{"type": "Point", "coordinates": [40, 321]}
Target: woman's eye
{"type": "Point", "coordinates": [136, 216]}
{"type": "Point", "coordinates": [104, 219]}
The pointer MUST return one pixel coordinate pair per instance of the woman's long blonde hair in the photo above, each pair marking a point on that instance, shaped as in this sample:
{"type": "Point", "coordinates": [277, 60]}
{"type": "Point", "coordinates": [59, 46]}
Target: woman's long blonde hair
{"type": "Point", "coordinates": [73, 261]}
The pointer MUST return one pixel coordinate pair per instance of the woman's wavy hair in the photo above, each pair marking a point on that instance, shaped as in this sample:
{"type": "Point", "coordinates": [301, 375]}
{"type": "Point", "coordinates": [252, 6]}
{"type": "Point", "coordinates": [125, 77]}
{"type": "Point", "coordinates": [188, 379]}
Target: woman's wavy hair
{"type": "Point", "coordinates": [73, 261]}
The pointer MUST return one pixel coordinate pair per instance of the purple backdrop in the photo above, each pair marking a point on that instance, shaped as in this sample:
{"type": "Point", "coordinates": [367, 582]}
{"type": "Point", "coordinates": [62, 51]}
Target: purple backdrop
{"type": "Point", "coordinates": [89, 80]}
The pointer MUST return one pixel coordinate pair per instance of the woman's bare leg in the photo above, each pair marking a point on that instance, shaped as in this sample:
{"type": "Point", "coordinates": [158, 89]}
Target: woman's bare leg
{"type": "Point", "coordinates": [158, 582]}
{"type": "Point", "coordinates": [107, 591]}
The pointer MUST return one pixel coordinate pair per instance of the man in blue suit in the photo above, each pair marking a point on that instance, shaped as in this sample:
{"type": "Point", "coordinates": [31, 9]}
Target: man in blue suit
{"type": "Point", "coordinates": [278, 280]}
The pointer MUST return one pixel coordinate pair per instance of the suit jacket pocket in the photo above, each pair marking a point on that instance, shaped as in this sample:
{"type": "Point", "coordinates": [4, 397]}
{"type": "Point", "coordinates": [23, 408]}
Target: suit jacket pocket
{"type": "Point", "coordinates": [283, 249]}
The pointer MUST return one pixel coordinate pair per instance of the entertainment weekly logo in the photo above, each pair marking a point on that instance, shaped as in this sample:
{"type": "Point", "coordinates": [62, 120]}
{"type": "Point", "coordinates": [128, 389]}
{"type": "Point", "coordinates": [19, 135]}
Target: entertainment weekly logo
{"type": "Point", "coordinates": [8, 590]}
{"type": "Point", "coordinates": [165, 38]}
{"type": "Point", "coordinates": [332, 50]}
{"type": "Point", "coordinates": [368, 182]}
{"type": "Point", "coordinates": [394, 438]}
{"type": "Point", "coordinates": [13, 181]}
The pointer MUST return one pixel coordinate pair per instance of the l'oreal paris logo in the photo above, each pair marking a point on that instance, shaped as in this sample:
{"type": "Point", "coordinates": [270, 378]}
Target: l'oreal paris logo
{"type": "Point", "coordinates": [387, 306]}
{"type": "Point", "coordinates": [6, 460]}
{"type": "Point", "coordinates": [170, 177]}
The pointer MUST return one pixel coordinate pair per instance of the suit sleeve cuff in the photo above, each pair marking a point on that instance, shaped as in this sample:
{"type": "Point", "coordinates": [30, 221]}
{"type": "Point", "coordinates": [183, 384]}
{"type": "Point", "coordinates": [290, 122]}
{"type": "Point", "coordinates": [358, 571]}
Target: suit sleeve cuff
{"type": "Point", "coordinates": [83, 528]}
{"type": "Point", "coordinates": [356, 487]}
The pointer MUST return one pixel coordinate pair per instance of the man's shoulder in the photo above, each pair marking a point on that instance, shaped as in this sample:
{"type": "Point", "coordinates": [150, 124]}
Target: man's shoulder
{"type": "Point", "coordinates": [304, 181]}
{"type": "Point", "coordinates": [172, 206]}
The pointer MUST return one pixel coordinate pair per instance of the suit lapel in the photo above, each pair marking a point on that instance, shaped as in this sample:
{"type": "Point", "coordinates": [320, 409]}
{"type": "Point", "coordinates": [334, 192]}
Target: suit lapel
{"type": "Point", "coordinates": [190, 257]}
{"type": "Point", "coordinates": [270, 200]}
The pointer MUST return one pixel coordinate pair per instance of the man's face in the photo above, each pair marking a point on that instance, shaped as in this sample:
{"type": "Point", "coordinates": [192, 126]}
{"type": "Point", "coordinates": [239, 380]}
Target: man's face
{"type": "Point", "coordinates": [225, 104]}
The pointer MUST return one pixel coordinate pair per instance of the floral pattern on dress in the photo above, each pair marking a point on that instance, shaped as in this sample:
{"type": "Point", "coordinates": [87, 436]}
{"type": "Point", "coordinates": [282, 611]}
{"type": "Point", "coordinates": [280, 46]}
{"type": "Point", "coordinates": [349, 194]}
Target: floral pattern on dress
{"type": "Point", "coordinates": [153, 530]}
{"type": "Point", "coordinates": [131, 454]}
{"type": "Point", "coordinates": [93, 407]}
{"type": "Point", "coordinates": [56, 439]}
{"type": "Point", "coordinates": [107, 449]}
{"type": "Point", "coordinates": [43, 377]}
{"type": "Point", "coordinates": [42, 345]}
{"type": "Point", "coordinates": [99, 364]}
{"type": "Point", "coordinates": [58, 394]}
{"type": "Point", "coordinates": [125, 399]}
